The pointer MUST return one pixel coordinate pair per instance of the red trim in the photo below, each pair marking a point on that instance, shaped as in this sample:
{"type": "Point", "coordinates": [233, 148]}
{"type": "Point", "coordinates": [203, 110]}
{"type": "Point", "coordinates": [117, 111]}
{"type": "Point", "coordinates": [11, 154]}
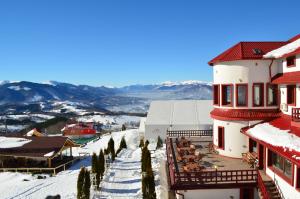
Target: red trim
{"type": "Point", "coordinates": [218, 93]}
{"type": "Point", "coordinates": [291, 61]}
{"type": "Point", "coordinates": [279, 172]}
{"type": "Point", "coordinates": [221, 139]}
{"type": "Point", "coordinates": [244, 51]}
{"type": "Point", "coordinates": [236, 95]}
{"type": "Point", "coordinates": [286, 78]}
{"type": "Point", "coordinates": [276, 93]}
{"type": "Point", "coordinates": [298, 178]}
{"type": "Point", "coordinates": [223, 96]}
{"type": "Point", "coordinates": [244, 114]}
{"type": "Point", "coordinates": [262, 98]}
{"type": "Point", "coordinates": [288, 95]}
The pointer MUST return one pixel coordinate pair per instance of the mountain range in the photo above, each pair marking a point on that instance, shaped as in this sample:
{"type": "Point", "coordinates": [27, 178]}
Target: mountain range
{"type": "Point", "coordinates": [54, 96]}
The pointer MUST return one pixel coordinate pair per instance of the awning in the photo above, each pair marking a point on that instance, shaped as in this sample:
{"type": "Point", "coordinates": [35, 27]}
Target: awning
{"type": "Point", "coordinates": [286, 78]}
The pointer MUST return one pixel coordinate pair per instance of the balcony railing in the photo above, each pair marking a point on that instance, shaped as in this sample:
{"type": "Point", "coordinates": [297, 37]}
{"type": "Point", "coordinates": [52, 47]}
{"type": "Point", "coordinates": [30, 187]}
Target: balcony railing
{"type": "Point", "coordinates": [296, 114]}
{"type": "Point", "coordinates": [206, 178]}
{"type": "Point", "coordinates": [262, 187]}
{"type": "Point", "coordinates": [189, 133]}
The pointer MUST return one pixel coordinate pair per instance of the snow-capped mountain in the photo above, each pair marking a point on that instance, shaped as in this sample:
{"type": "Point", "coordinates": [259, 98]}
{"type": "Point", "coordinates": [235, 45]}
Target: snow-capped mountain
{"type": "Point", "coordinates": [27, 96]}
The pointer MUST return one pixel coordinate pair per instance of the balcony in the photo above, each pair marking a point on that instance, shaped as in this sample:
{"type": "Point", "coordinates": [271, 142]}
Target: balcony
{"type": "Point", "coordinates": [209, 171]}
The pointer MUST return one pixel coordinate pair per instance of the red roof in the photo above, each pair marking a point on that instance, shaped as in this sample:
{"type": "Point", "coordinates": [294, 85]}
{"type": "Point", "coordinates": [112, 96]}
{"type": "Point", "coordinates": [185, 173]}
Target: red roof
{"type": "Point", "coordinates": [244, 51]}
{"type": "Point", "coordinates": [294, 38]}
{"type": "Point", "coordinates": [295, 52]}
{"type": "Point", "coordinates": [245, 114]}
{"type": "Point", "coordinates": [286, 78]}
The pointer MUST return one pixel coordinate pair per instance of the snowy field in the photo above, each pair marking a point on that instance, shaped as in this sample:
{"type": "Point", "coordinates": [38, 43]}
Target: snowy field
{"type": "Point", "coordinates": [122, 180]}
{"type": "Point", "coordinates": [109, 119]}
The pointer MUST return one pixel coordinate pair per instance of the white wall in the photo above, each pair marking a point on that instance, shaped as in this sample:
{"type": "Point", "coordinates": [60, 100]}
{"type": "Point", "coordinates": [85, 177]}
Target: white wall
{"type": "Point", "coordinates": [236, 143]}
{"type": "Point", "coordinates": [288, 191]}
{"type": "Point", "coordinates": [244, 71]}
{"type": "Point", "coordinates": [153, 131]}
{"type": "Point", "coordinates": [210, 194]}
{"type": "Point", "coordinates": [283, 98]}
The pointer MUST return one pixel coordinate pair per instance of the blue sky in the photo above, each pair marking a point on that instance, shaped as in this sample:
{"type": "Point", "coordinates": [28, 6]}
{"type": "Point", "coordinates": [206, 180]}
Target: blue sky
{"type": "Point", "coordinates": [131, 42]}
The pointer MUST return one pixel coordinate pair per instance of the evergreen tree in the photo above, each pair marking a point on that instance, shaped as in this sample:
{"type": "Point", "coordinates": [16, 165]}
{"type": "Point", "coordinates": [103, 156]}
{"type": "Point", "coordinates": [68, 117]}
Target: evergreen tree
{"type": "Point", "coordinates": [101, 163]}
{"type": "Point", "coordinates": [87, 185]}
{"type": "Point", "coordinates": [94, 163]}
{"type": "Point", "coordinates": [80, 183]}
{"type": "Point", "coordinates": [111, 148]}
{"type": "Point", "coordinates": [159, 143]}
{"type": "Point", "coordinates": [148, 183]}
{"type": "Point", "coordinates": [123, 145]}
{"type": "Point", "coordinates": [141, 145]}
{"type": "Point", "coordinates": [123, 127]}
{"type": "Point", "coordinates": [147, 143]}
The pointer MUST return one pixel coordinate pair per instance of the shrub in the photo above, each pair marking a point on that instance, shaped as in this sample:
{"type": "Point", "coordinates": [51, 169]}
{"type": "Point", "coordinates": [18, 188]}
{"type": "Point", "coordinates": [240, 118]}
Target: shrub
{"type": "Point", "coordinates": [159, 143]}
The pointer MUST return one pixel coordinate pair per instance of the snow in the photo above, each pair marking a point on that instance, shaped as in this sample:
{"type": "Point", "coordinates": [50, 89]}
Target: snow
{"type": "Point", "coordinates": [12, 142]}
{"type": "Point", "coordinates": [50, 154]}
{"type": "Point", "coordinates": [187, 82]}
{"type": "Point", "coordinates": [275, 136]}
{"type": "Point", "coordinates": [13, 128]}
{"type": "Point", "coordinates": [277, 53]}
{"type": "Point", "coordinates": [18, 88]}
{"type": "Point", "coordinates": [108, 119]}
{"type": "Point", "coordinates": [121, 180]}
{"type": "Point", "coordinates": [69, 107]}
{"type": "Point", "coordinates": [30, 133]}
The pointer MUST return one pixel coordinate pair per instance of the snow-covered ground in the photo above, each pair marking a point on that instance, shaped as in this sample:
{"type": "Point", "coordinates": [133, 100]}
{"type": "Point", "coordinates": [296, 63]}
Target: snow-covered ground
{"type": "Point", "coordinates": [109, 119]}
{"type": "Point", "coordinates": [122, 180]}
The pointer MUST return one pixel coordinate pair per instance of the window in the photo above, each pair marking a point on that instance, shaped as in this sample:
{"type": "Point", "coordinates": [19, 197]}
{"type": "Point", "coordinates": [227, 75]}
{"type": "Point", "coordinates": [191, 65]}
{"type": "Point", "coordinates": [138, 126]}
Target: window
{"type": "Point", "coordinates": [221, 137]}
{"type": "Point", "coordinates": [227, 95]}
{"type": "Point", "coordinates": [258, 94]}
{"type": "Point", "coordinates": [216, 94]}
{"type": "Point", "coordinates": [291, 95]}
{"type": "Point", "coordinates": [252, 146]}
{"type": "Point", "coordinates": [241, 95]}
{"type": "Point", "coordinates": [272, 94]}
{"type": "Point", "coordinates": [291, 61]}
{"type": "Point", "coordinates": [282, 165]}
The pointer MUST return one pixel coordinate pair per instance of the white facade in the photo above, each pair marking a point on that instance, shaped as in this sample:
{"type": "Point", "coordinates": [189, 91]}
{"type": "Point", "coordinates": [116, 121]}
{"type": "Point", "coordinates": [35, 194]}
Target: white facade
{"type": "Point", "coordinates": [177, 115]}
{"type": "Point", "coordinates": [235, 143]}
{"type": "Point", "coordinates": [244, 72]}
{"type": "Point", "coordinates": [212, 194]}
{"type": "Point", "coordinates": [249, 72]}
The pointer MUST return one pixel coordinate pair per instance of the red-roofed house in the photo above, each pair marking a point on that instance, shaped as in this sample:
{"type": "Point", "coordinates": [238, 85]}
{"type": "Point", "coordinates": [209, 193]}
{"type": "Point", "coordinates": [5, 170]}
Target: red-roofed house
{"type": "Point", "coordinates": [256, 92]}
{"type": "Point", "coordinates": [256, 119]}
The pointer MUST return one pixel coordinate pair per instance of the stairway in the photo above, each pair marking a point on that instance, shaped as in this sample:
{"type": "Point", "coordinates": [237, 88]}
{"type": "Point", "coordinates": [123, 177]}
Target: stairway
{"type": "Point", "coordinates": [267, 188]}
{"type": "Point", "coordinates": [272, 190]}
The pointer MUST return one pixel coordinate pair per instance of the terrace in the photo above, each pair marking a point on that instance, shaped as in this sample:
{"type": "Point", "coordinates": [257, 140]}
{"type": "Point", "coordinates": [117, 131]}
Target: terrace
{"type": "Point", "coordinates": [194, 164]}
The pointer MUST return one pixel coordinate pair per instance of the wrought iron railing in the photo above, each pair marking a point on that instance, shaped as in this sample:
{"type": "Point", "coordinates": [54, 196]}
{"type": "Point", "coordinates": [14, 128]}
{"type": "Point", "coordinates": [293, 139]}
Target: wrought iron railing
{"type": "Point", "coordinates": [296, 114]}
{"type": "Point", "coordinates": [189, 133]}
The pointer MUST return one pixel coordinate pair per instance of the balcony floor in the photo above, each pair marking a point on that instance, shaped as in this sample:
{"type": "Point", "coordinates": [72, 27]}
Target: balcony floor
{"type": "Point", "coordinates": [211, 161]}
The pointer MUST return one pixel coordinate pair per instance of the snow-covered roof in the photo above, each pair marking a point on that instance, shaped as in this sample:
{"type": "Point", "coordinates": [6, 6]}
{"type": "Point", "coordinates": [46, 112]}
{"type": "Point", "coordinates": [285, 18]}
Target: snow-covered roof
{"type": "Point", "coordinates": [180, 112]}
{"type": "Point", "coordinates": [12, 142]}
{"type": "Point", "coordinates": [275, 136]}
{"type": "Point", "coordinates": [286, 49]}
{"type": "Point", "coordinates": [50, 154]}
